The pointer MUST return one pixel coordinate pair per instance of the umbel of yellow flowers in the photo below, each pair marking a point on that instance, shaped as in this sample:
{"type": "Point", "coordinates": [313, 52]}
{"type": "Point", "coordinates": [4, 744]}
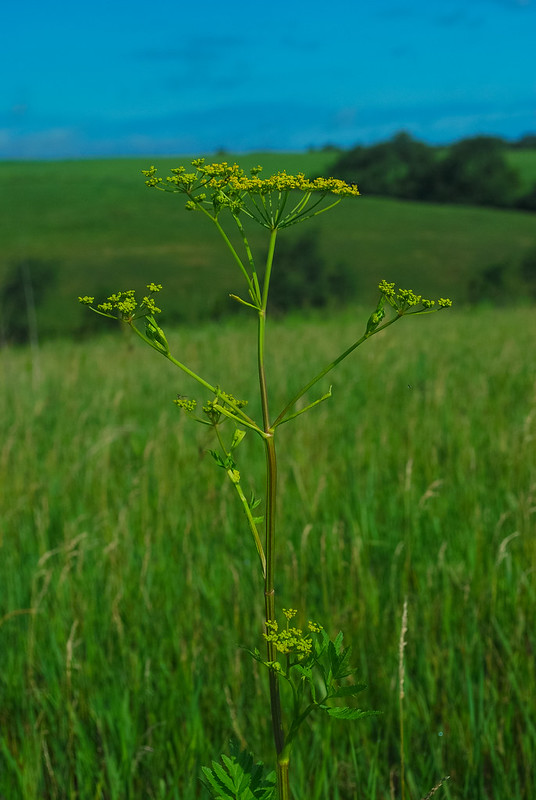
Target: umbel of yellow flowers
{"type": "Point", "coordinates": [213, 187]}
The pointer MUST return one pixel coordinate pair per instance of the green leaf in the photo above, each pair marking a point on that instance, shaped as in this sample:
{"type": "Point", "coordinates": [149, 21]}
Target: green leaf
{"type": "Point", "coordinates": [225, 779]}
{"type": "Point", "coordinates": [339, 660]}
{"type": "Point", "coordinates": [217, 458]}
{"type": "Point", "coordinates": [305, 672]}
{"type": "Point", "coordinates": [349, 691]}
{"type": "Point", "coordinates": [343, 668]}
{"type": "Point", "coordinates": [325, 396]}
{"type": "Point", "coordinates": [349, 713]}
{"type": "Point", "coordinates": [254, 502]}
{"type": "Point", "coordinates": [239, 778]}
{"type": "Point", "coordinates": [337, 642]}
{"type": "Point", "coordinates": [256, 655]}
{"type": "Point", "coordinates": [211, 783]}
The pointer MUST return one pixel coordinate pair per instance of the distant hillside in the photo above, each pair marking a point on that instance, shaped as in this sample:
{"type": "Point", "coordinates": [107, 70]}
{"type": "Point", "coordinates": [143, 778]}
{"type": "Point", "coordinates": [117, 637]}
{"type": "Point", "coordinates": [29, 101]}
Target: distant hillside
{"type": "Point", "coordinates": [91, 227]}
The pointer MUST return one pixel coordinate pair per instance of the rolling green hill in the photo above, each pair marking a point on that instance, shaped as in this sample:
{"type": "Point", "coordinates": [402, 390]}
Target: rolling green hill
{"type": "Point", "coordinates": [101, 229]}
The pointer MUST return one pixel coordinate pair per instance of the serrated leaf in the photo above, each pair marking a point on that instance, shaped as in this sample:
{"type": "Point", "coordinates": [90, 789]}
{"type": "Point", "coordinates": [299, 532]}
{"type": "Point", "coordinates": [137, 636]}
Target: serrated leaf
{"type": "Point", "coordinates": [349, 691]}
{"type": "Point", "coordinates": [240, 773]}
{"type": "Point", "coordinates": [211, 781]}
{"type": "Point", "coordinates": [320, 643]}
{"type": "Point", "coordinates": [332, 656]}
{"type": "Point", "coordinates": [223, 777]}
{"type": "Point", "coordinates": [343, 669]}
{"type": "Point", "coordinates": [239, 778]}
{"type": "Point", "coordinates": [349, 713]}
{"type": "Point", "coordinates": [337, 642]}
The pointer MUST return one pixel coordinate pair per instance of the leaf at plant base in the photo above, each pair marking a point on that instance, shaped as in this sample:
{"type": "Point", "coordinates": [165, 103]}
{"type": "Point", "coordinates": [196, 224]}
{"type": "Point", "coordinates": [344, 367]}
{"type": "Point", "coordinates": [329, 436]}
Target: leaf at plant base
{"type": "Point", "coordinates": [262, 786]}
{"type": "Point", "coordinates": [239, 778]}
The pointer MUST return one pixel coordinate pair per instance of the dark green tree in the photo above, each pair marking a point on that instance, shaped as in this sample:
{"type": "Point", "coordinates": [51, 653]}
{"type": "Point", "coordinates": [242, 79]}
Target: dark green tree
{"type": "Point", "coordinates": [401, 167]}
{"type": "Point", "coordinates": [475, 172]}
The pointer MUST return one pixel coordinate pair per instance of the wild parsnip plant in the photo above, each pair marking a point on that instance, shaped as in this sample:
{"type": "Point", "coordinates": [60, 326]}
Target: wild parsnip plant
{"type": "Point", "coordinates": [313, 668]}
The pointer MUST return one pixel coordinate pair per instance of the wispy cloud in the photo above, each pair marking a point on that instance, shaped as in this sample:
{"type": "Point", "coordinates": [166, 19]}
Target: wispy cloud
{"type": "Point", "coordinates": [193, 49]}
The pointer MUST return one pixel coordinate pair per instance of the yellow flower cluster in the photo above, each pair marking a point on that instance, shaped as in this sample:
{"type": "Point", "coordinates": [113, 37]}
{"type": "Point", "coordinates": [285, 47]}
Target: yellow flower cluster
{"type": "Point", "coordinates": [291, 640]}
{"type": "Point", "coordinates": [124, 304]}
{"type": "Point", "coordinates": [231, 179]}
{"type": "Point", "coordinates": [401, 299]}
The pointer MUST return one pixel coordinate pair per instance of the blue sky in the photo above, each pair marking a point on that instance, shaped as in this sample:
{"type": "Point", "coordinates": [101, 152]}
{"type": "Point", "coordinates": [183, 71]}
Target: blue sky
{"type": "Point", "coordinates": [123, 77]}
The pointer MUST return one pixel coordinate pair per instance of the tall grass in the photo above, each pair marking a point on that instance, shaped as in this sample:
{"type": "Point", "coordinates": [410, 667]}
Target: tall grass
{"type": "Point", "coordinates": [119, 540]}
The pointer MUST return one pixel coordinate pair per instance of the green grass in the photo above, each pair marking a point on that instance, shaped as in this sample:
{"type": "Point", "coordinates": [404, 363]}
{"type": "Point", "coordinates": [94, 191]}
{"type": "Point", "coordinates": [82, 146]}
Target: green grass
{"type": "Point", "coordinates": [104, 230]}
{"type": "Point", "coordinates": [129, 580]}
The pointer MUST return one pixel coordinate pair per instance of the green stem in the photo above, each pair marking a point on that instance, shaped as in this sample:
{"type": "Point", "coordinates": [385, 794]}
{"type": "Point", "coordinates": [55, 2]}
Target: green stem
{"type": "Point", "coordinates": [173, 360]}
{"type": "Point", "coordinates": [227, 241]}
{"type": "Point", "coordinates": [271, 491]}
{"type": "Point", "coordinates": [252, 526]}
{"type": "Point", "coordinates": [254, 288]}
{"type": "Point", "coordinates": [245, 505]}
{"type": "Point", "coordinates": [238, 415]}
{"type": "Point", "coordinates": [283, 787]}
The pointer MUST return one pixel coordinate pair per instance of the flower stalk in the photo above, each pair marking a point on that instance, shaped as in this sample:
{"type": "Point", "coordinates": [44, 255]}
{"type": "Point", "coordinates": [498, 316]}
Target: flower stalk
{"type": "Point", "coordinates": [313, 666]}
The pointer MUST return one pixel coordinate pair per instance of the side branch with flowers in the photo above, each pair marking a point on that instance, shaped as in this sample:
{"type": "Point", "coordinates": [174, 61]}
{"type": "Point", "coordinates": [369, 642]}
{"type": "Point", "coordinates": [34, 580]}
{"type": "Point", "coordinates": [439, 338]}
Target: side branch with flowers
{"type": "Point", "coordinates": [314, 667]}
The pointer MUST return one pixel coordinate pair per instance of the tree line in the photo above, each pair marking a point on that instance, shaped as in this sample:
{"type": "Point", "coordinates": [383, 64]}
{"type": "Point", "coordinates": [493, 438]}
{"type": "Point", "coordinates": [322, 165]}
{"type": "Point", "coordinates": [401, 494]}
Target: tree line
{"type": "Point", "coordinates": [473, 171]}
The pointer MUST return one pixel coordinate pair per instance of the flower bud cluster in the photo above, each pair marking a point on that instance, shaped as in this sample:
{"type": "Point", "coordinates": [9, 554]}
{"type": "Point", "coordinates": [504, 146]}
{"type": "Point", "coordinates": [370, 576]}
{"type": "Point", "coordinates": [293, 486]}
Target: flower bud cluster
{"type": "Point", "coordinates": [123, 305]}
{"type": "Point", "coordinates": [186, 403]}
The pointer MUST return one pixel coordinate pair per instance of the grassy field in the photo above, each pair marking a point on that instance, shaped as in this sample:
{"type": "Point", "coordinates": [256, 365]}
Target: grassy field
{"type": "Point", "coordinates": [129, 580]}
{"type": "Point", "coordinates": [102, 229]}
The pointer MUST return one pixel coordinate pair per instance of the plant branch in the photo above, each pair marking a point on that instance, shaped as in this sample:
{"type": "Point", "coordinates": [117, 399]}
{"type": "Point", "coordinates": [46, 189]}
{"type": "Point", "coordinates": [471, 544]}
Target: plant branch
{"type": "Point", "coordinates": [282, 416]}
